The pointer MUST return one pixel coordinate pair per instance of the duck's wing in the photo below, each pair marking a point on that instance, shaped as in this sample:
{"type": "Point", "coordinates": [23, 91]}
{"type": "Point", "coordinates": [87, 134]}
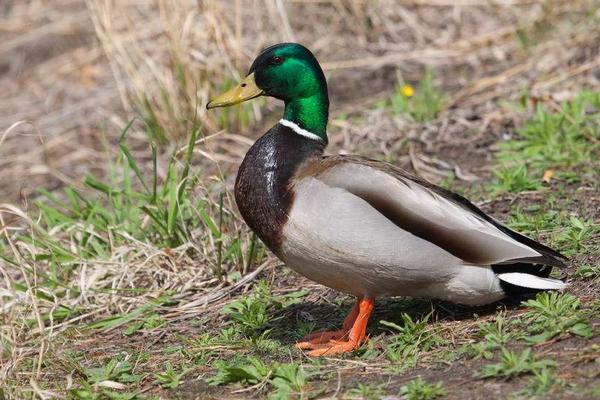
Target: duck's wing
{"type": "Point", "coordinates": [432, 213]}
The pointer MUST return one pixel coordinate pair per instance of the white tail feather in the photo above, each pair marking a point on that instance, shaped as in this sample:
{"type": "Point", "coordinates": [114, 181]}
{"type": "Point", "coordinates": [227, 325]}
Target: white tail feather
{"type": "Point", "coordinates": [531, 281]}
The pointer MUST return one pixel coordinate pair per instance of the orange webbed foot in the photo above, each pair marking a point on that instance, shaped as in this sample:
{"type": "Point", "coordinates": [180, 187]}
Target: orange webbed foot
{"type": "Point", "coordinates": [335, 347]}
{"type": "Point", "coordinates": [315, 339]}
{"type": "Point", "coordinates": [355, 327]}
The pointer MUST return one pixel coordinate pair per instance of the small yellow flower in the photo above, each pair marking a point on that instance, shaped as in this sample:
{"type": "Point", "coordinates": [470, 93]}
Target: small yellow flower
{"type": "Point", "coordinates": [548, 175]}
{"type": "Point", "coordinates": [407, 91]}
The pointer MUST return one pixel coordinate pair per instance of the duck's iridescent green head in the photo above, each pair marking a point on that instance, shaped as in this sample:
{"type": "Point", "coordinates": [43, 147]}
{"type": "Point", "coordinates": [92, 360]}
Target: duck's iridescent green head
{"type": "Point", "coordinates": [289, 72]}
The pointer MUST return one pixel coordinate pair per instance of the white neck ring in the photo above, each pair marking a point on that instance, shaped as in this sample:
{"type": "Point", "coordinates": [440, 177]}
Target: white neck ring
{"type": "Point", "coordinates": [303, 132]}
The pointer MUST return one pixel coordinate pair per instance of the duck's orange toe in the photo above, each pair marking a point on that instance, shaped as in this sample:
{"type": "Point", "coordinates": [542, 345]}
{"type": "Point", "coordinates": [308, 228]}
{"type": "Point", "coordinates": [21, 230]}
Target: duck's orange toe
{"type": "Point", "coordinates": [334, 347]}
{"type": "Point", "coordinates": [315, 339]}
{"type": "Point", "coordinates": [355, 327]}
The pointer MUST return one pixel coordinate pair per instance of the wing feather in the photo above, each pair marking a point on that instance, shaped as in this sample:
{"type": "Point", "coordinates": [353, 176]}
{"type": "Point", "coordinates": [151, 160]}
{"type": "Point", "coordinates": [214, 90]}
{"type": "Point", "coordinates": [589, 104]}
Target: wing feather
{"type": "Point", "coordinates": [434, 214]}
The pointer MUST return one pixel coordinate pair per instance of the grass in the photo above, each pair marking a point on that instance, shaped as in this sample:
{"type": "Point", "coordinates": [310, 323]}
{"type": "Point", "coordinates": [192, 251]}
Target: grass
{"type": "Point", "coordinates": [552, 315]}
{"type": "Point", "coordinates": [170, 378]}
{"type": "Point", "coordinates": [108, 283]}
{"type": "Point", "coordinates": [418, 389]}
{"type": "Point", "coordinates": [410, 340]}
{"type": "Point", "coordinates": [512, 364]}
{"type": "Point", "coordinates": [570, 232]}
{"type": "Point", "coordinates": [138, 215]}
{"type": "Point", "coordinates": [495, 335]}
{"type": "Point", "coordinates": [250, 314]}
{"type": "Point", "coordinates": [366, 392]}
{"type": "Point", "coordinates": [541, 382]}
{"type": "Point", "coordinates": [562, 140]}
{"type": "Point", "coordinates": [514, 180]}
{"type": "Point", "coordinates": [588, 272]}
{"type": "Point", "coordinates": [281, 381]}
{"type": "Point", "coordinates": [108, 381]}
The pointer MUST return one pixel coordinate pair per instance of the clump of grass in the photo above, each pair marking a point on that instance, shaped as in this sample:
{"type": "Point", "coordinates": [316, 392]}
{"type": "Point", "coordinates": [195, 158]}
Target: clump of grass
{"type": "Point", "coordinates": [285, 380]}
{"type": "Point", "coordinates": [495, 336]}
{"type": "Point", "coordinates": [568, 232]}
{"type": "Point", "coordinates": [554, 315]}
{"type": "Point", "coordinates": [115, 374]}
{"type": "Point", "coordinates": [422, 104]}
{"type": "Point", "coordinates": [576, 234]}
{"type": "Point", "coordinates": [588, 272]}
{"type": "Point", "coordinates": [513, 364]}
{"type": "Point", "coordinates": [541, 382]}
{"type": "Point", "coordinates": [365, 392]}
{"type": "Point", "coordinates": [119, 205]}
{"type": "Point", "coordinates": [106, 254]}
{"type": "Point", "coordinates": [411, 338]}
{"type": "Point", "coordinates": [513, 180]}
{"type": "Point", "coordinates": [170, 378]}
{"type": "Point", "coordinates": [560, 140]}
{"type": "Point", "coordinates": [250, 314]}
{"type": "Point", "coordinates": [93, 224]}
{"type": "Point", "coordinates": [419, 389]}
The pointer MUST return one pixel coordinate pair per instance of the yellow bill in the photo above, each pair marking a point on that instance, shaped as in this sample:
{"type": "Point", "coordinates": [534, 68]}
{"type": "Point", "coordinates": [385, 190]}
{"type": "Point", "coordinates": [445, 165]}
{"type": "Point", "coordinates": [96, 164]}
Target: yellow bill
{"type": "Point", "coordinates": [246, 90]}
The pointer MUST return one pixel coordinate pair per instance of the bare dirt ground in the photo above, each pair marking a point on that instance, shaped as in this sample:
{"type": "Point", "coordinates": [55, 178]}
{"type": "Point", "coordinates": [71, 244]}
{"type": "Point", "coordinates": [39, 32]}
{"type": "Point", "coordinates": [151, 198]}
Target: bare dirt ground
{"type": "Point", "coordinates": [66, 95]}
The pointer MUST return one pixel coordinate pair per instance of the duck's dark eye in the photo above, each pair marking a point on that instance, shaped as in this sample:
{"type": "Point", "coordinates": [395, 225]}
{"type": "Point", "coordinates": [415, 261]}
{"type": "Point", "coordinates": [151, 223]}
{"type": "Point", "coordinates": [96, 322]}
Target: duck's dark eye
{"type": "Point", "coordinates": [276, 60]}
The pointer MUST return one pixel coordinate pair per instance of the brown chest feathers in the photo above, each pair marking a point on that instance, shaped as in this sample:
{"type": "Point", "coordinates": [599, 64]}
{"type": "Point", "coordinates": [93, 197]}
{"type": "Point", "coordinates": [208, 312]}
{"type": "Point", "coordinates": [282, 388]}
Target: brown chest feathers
{"type": "Point", "coordinates": [263, 185]}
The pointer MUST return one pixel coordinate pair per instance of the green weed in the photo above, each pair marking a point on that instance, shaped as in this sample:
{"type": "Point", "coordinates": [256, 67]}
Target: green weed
{"type": "Point", "coordinates": [170, 378]}
{"type": "Point", "coordinates": [365, 392]}
{"type": "Point", "coordinates": [553, 315]}
{"type": "Point", "coordinates": [419, 389]}
{"type": "Point", "coordinates": [285, 380]}
{"type": "Point", "coordinates": [561, 140]}
{"type": "Point", "coordinates": [514, 364]}
{"type": "Point", "coordinates": [115, 370]}
{"type": "Point", "coordinates": [569, 233]}
{"type": "Point", "coordinates": [250, 314]}
{"type": "Point", "coordinates": [98, 380]}
{"type": "Point", "coordinates": [144, 314]}
{"type": "Point", "coordinates": [588, 272]}
{"type": "Point", "coordinates": [412, 338]}
{"type": "Point", "coordinates": [153, 321]}
{"type": "Point", "coordinates": [513, 180]}
{"type": "Point", "coordinates": [289, 380]}
{"type": "Point", "coordinates": [495, 336]}
{"type": "Point", "coordinates": [251, 372]}
{"type": "Point", "coordinates": [541, 382]}
{"type": "Point", "coordinates": [576, 233]}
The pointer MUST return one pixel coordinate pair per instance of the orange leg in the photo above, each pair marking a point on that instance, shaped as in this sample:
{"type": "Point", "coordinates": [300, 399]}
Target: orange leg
{"type": "Point", "coordinates": [356, 336]}
{"type": "Point", "coordinates": [316, 338]}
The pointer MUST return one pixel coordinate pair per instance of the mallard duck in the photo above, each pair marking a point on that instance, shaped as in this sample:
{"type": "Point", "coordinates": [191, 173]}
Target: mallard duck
{"type": "Point", "coordinates": [365, 227]}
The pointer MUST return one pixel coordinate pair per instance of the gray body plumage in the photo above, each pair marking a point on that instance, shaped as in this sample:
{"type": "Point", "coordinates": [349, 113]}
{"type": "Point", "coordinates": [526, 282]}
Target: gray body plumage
{"type": "Point", "coordinates": [358, 228]}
